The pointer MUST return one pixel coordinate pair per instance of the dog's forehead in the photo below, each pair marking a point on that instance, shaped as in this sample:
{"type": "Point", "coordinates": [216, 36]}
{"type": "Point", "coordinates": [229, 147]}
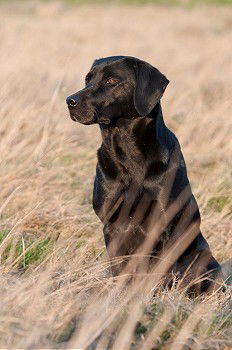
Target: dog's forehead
{"type": "Point", "coordinates": [114, 64]}
{"type": "Point", "coordinates": [107, 60]}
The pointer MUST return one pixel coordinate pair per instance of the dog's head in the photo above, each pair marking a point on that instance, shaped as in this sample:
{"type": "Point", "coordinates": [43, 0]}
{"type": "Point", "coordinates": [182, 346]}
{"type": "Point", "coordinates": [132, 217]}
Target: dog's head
{"type": "Point", "coordinates": [117, 87]}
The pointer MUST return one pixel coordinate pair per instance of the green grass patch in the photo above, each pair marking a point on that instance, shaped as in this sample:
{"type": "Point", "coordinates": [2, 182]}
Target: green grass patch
{"type": "Point", "coordinates": [5, 253]}
{"type": "Point", "coordinates": [3, 235]}
{"type": "Point", "coordinates": [140, 329]}
{"type": "Point", "coordinates": [35, 254]}
{"type": "Point", "coordinates": [218, 203]}
{"type": "Point", "coordinates": [225, 185]}
{"type": "Point", "coordinates": [32, 255]}
{"type": "Point", "coordinates": [81, 243]}
{"type": "Point", "coordinates": [67, 332]}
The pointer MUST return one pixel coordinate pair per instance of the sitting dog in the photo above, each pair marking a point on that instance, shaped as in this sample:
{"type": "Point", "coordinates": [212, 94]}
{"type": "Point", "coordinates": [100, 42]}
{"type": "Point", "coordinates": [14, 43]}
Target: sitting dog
{"type": "Point", "coordinates": [141, 190]}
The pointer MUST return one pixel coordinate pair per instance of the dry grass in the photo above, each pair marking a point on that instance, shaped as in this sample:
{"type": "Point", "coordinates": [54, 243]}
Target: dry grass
{"type": "Point", "coordinates": [55, 287]}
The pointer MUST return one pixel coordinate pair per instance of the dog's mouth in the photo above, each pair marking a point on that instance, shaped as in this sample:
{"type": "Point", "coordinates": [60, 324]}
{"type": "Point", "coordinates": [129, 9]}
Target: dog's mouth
{"type": "Point", "coordinates": [90, 117]}
{"type": "Point", "coordinates": [80, 119]}
{"type": "Point", "coordinates": [94, 120]}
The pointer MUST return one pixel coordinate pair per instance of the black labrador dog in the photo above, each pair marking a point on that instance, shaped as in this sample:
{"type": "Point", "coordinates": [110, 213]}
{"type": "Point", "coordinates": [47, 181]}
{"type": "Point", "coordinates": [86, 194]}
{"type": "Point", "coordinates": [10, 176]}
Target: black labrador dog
{"type": "Point", "coordinates": [141, 190]}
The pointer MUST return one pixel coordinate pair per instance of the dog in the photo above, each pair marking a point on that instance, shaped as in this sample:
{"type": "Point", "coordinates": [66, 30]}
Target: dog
{"type": "Point", "coordinates": [141, 189]}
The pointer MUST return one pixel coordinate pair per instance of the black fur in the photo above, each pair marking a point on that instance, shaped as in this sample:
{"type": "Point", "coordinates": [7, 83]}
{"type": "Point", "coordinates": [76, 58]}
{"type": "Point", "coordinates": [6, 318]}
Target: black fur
{"type": "Point", "coordinates": [141, 171]}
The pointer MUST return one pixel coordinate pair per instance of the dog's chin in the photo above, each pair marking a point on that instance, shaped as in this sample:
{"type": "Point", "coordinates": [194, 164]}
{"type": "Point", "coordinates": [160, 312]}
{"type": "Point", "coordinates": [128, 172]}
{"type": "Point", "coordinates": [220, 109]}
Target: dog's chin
{"type": "Point", "coordinates": [80, 119]}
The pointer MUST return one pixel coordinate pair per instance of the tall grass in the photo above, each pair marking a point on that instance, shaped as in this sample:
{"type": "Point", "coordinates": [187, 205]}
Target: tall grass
{"type": "Point", "coordinates": [55, 282]}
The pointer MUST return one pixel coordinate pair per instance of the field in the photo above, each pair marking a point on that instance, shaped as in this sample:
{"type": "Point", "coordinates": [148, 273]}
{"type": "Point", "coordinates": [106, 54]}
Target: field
{"type": "Point", "coordinates": [55, 286]}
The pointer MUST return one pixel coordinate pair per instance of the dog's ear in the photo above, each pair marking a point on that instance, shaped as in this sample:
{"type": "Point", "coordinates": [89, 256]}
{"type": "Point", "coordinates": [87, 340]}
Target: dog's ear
{"type": "Point", "coordinates": [150, 85]}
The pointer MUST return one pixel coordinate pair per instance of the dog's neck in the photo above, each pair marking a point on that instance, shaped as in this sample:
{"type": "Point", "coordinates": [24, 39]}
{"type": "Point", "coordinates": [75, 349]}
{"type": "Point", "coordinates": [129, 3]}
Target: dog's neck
{"type": "Point", "coordinates": [132, 145]}
{"type": "Point", "coordinates": [140, 125]}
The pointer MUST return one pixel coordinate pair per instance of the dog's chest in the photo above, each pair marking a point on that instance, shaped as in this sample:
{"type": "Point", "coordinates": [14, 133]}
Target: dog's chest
{"type": "Point", "coordinates": [127, 155]}
{"type": "Point", "coordinates": [127, 158]}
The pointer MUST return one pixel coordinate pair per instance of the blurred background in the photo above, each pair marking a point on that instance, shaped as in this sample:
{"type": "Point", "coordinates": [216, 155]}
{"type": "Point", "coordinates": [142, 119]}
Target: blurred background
{"type": "Point", "coordinates": [51, 243]}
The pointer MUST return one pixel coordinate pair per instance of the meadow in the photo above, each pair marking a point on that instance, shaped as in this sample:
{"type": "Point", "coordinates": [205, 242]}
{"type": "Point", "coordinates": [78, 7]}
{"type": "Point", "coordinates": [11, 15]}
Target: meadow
{"type": "Point", "coordinates": [55, 285]}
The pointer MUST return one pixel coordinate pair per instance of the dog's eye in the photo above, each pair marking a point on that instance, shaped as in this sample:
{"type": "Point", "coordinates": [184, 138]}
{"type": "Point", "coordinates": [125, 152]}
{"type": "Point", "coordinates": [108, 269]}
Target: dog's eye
{"type": "Point", "coordinates": [111, 81]}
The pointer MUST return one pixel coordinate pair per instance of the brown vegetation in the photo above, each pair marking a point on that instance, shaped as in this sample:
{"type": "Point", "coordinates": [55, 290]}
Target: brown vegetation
{"type": "Point", "coordinates": [55, 286]}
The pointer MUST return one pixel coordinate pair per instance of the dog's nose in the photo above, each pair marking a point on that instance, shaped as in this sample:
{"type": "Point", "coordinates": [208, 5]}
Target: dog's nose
{"type": "Point", "coordinates": [71, 102]}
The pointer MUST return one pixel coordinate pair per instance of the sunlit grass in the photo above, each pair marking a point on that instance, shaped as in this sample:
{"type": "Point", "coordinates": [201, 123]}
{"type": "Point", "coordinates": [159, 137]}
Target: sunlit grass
{"type": "Point", "coordinates": [55, 282]}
